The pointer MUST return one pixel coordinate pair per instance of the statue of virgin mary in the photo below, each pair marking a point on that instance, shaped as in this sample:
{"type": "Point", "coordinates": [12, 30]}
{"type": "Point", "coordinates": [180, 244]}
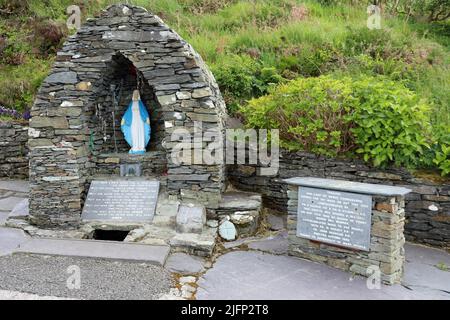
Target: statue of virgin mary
{"type": "Point", "coordinates": [135, 125]}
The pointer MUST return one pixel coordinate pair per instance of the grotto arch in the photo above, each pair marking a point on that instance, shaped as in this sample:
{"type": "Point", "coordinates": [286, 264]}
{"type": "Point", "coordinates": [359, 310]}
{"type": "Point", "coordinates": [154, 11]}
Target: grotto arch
{"type": "Point", "coordinates": [73, 125]}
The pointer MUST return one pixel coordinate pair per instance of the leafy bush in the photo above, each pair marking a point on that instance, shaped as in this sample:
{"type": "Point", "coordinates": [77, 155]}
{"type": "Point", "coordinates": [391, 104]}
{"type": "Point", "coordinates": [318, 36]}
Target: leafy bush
{"type": "Point", "coordinates": [442, 159]}
{"type": "Point", "coordinates": [379, 119]}
{"type": "Point", "coordinates": [235, 75]}
{"type": "Point", "coordinates": [439, 154]}
{"type": "Point", "coordinates": [241, 78]}
{"type": "Point", "coordinates": [311, 114]}
{"type": "Point", "coordinates": [391, 123]}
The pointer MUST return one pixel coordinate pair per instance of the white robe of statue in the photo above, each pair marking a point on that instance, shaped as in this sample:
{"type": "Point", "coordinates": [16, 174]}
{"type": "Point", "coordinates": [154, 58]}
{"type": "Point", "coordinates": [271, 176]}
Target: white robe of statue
{"type": "Point", "coordinates": [137, 129]}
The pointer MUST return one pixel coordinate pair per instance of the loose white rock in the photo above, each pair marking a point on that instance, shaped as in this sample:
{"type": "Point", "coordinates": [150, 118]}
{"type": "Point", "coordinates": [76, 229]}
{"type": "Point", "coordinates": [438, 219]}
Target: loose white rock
{"type": "Point", "coordinates": [189, 279]}
{"type": "Point", "coordinates": [227, 231]}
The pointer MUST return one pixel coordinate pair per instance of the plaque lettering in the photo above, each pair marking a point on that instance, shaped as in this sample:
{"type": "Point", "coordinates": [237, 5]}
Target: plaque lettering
{"type": "Point", "coordinates": [334, 217]}
{"type": "Point", "coordinates": [121, 200]}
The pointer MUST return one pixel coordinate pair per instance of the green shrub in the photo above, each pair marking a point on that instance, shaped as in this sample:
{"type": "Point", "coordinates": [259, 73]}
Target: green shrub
{"type": "Point", "coordinates": [311, 114]}
{"type": "Point", "coordinates": [240, 78]}
{"type": "Point", "coordinates": [379, 119]}
{"type": "Point", "coordinates": [235, 76]}
{"type": "Point", "coordinates": [391, 123]}
{"type": "Point", "coordinates": [439, 154]}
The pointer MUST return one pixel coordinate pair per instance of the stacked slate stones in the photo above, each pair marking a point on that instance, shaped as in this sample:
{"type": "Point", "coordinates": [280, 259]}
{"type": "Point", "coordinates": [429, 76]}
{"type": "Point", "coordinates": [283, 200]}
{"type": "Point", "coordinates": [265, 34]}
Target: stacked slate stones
{"type": "Point", "coordinates": [62, 160]}
{"type": "Point", "coordinates": [428, 205]}
{"type": "Point", "coordinates": [386, 253]}
{"type": "Point", "coordinates": [13, 150]}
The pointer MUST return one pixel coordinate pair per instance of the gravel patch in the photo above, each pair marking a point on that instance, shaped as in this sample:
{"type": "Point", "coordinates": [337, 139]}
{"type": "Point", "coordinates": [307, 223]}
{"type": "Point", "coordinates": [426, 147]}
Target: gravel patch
{"type": "Point", "coordinates": [100, 279]}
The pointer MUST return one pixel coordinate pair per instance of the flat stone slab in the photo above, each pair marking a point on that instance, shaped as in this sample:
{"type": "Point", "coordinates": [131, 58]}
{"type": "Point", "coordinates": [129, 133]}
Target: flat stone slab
{"type": "Point", "coordinates": [8, 204]}
{"type": "Point", "coordinates": [191, 218]}
{"type": "Point", "coordinates": [275, 244]}
{"type": "Point", "coordinates": [238, 242]}
{"type": "Point", "coordinates": [20, 210]}
{"type": "Point", "coordinates": [11, 239]}
{"type": "Point", "coordinates": [200, 243]}
{"type": "Point", "coordinates": [184, 264]}
{"type": "Point", "coordinates": [257, 275]}
{"type": "Point", "coordinates": [240, 201]}
{"type": "Point", "coordinates": [156, 255]}
{"type": "Point", "coordinates": [427, 261]}
{"type": "Point", "coordinates": [15, 185]}
{"type": "Point", "coordinates": [349, 186]}
{"type": "Point", "coordinates": [167, 209]}
{"type": "Point", "coordinates": [3, 217]}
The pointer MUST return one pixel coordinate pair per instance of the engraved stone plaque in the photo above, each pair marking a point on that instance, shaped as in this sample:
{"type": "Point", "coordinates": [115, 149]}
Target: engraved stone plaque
{"type": "Point", "coordinates": [121, 200]}
{"type": "Point", "coordinates": [334, 217]}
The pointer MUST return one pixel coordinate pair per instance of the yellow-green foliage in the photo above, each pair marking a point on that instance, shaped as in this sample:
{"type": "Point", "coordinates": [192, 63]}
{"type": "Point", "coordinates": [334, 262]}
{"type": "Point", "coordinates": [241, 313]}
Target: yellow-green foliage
{"type": "Point", "coordinates": [378, 118]}
{"type": "Point", "coordinates": [252, 44]}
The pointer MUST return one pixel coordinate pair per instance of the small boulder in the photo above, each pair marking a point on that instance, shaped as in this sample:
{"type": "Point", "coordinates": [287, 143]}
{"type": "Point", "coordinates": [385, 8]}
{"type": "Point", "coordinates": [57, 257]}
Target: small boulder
{"type": "Point", "coordinates": [191, 218]}
{"type": "Point", "coordinates": [227, 230]}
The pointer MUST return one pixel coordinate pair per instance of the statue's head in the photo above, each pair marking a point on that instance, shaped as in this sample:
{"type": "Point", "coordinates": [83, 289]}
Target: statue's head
{"type": "Point", "coordinates": [136, 95]}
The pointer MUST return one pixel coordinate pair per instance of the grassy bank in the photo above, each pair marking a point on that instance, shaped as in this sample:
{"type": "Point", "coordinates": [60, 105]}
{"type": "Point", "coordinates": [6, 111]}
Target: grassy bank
{"type": "Point", "coordinates": [251, 45]}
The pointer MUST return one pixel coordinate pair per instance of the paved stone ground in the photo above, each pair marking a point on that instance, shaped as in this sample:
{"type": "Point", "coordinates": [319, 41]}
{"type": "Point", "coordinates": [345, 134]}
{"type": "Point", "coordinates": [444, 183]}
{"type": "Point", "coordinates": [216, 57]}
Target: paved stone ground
{"type": "Point", "coordinates": [261, 272]}
{"type": "Point", "coordinates": [12, 192]}
{"type": "Point", "coordinates": [100, 279]}
{"type": "Point", "coordinates": [257, 275]}
{"type": "Point", "coordinates": [11, 239]}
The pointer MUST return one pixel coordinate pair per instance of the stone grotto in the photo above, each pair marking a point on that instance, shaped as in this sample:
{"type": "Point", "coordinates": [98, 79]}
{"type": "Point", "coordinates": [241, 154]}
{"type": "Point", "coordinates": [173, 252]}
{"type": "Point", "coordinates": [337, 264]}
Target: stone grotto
{"type": "Point", "coordinates": [76, 133]}
{"type": "Point", "coordinates": [80, 164]}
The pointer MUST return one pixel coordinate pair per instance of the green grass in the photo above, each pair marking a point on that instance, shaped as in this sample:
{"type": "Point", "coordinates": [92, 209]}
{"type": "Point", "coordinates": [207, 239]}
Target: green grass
{"type": "Point", "coordinates": [330, 40]}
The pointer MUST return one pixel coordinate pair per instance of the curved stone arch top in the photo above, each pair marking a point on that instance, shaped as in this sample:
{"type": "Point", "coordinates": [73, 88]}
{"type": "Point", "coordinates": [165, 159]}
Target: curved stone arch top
{"type": "Point", "coordinates": [181, 82]}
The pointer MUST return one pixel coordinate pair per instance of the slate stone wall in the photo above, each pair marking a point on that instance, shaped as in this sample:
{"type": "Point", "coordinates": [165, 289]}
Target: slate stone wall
{"type": "Point", "coordinates": [386, 254]}
{"type": "Point", "coordinates": [153, 163]}
{"type": "Point", "coordinates": [13, 150]}
{"type": "Point", "coordinates": [427, 206]}
{"type": "Point", "coordinates": [68, 119]}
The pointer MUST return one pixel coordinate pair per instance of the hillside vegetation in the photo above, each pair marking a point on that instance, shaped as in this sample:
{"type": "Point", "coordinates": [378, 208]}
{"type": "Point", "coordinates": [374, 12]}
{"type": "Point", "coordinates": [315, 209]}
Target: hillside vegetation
{"type": "Point", "coordinates": [255, 47]}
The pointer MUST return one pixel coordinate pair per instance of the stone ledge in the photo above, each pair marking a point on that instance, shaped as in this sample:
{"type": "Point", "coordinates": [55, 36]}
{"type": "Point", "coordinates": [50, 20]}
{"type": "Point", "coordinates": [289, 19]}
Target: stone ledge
{"type": "Point", "coordinates": [349, 186]}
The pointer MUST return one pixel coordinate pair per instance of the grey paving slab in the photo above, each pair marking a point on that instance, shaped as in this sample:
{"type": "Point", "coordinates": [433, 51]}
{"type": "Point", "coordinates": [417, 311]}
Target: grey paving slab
{"type": "Point", "coordinates": [20, 210]}
{"type": "Point", "coordinates": [15, 185]}
{"type": "Point", "coordinates": [8, 204]}
{"type": "Point", "coordinates": [349, 186]}
{"type": "Point", "coordinates": [422, 268]}
{"type": "Point", "coordinates": [3, 216]}
{"type": "Point", "coordinates": [275, 244]}
{"type": "Point", "coordinates": [11, 239]}
{"type": "Point", "coordinates": [184, 264]}
{"type": "Point", "coordinates": [99, 279]}
{"type": "Point", "coordinates": [238, 242]}
{"type": "Point", "coordinates": [98, 249]}
{"type": "Point", "coordinates": [257, 275]}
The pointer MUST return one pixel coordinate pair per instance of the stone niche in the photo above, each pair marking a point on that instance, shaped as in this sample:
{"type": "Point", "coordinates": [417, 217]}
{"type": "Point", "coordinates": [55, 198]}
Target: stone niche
{"type": "Point", "coordinates": [74, 117]}
{"type": "Point", "coordinates": [383, 253]}
{"type": "Point", "coordinates": [107, 142]}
